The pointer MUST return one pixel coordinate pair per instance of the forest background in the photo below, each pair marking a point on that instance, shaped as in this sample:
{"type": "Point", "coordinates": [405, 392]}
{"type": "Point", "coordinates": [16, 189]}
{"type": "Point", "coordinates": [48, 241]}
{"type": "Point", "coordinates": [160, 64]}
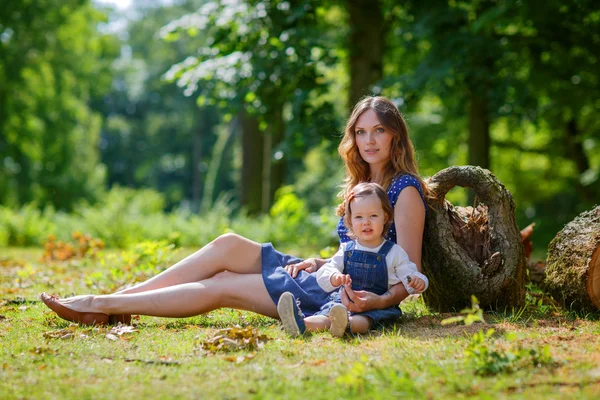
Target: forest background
{"type": "Point", "coordinates": [182, 120]}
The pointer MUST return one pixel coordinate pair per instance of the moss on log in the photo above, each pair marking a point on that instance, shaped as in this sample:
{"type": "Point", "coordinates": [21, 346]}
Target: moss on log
{"type": "Point", "coordinates": [573, 263]}
{"type": "Point", "coordinates": [497, 276]}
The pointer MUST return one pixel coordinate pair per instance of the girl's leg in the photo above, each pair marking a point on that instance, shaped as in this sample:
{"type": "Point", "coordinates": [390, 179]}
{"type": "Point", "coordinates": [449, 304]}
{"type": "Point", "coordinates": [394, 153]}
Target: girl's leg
{"type": "Point", "coordinates": [225, 289]}
{"type": "Point", "coordinates": [360, 323]}
{"type": "Point", "coordinates": [317, 323]}
{"type": "Point", "coordinates": [229, 252]}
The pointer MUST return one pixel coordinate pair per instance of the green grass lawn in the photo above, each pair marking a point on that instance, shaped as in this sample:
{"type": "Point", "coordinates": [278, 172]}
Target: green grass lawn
{"type": "Point", "coordinates": [539, 351]}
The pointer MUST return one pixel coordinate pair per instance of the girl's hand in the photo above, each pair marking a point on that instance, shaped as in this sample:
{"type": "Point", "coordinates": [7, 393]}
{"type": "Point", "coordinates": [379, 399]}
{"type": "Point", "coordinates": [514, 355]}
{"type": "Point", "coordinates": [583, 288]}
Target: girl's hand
{"type": "Point", "coordinates": [416, 283]}
{"type": "Point", "coordinates": [340, 279]}
{"type": "Point", "coordinates": [309, 265]}
{"type": "Point", "coordinates": [359, 300]}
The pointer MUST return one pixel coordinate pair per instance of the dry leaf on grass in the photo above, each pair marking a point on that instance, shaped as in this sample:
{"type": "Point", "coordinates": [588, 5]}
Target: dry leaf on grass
{"type": "Point", "coordinates": [233, 339]}
{"type": "Point", "coordinates": [75, 331]}
{"type": "Point", "coordinates": [240, 358]}
{"type": "Point", "coordinates": [118, 331]}
{"type": "Point", "coordinates": [67, 333]}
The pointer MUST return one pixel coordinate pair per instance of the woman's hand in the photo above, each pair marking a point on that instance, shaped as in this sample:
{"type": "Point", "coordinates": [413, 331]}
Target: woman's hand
{"type": "Point", "coordinates": [359, 300]}
{"type": "Point", "coordinates": [309, 265]}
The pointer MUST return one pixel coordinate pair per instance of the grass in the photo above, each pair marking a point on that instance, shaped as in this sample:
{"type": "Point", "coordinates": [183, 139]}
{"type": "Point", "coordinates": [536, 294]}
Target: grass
{"type": "Point", "coordinates": [418, 358]}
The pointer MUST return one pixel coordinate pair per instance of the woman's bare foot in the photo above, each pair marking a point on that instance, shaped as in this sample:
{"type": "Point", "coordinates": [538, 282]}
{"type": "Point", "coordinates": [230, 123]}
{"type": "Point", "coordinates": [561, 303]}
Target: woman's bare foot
{"type": "Point", "coordinates": [82, 303]}
{"type": "Point", "coordinates": [84, 317]}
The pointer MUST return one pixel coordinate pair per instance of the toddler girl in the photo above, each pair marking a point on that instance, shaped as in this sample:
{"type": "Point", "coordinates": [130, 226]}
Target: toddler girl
{"type": "Point", "coordinates": [369, 262]}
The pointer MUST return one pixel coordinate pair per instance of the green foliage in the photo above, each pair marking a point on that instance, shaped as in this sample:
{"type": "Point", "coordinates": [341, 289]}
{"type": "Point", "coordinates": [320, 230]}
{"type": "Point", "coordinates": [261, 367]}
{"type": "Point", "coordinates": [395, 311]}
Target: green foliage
{"type": "Point", "coordinates": [51, 64]}
{"type": "Point", "coordinates": [472, 315]}
{"type": "Point", "coordinates": [134, 265]}
{"type": "Point", "coordinates": [27, 226]}
{"type": "Point", "coordinates": [489, 356]}
{"type": "Point", "coordinates": [154, 135]}
{"type": "Point", "coordinates": [126, 217]}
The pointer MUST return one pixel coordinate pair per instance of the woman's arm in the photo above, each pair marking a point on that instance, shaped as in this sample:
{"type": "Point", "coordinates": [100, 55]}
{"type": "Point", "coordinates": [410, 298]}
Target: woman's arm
{"type": "Point", "coordinates": [409, 218]}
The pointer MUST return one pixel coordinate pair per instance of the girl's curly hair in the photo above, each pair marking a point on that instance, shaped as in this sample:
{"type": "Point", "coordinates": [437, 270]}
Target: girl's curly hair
{"type": "Point", "coordinates": [363, 190]}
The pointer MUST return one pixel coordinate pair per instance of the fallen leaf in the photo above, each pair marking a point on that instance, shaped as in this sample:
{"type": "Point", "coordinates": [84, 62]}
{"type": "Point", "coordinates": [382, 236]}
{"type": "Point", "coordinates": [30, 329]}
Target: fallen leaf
{"type": "Point", "coordinates": [122, 329]}
{"type": "Point", "coordinates": [66, 333]}
{"type": "Point", "coordinates": [233, 339]}
{"type": "Point", "coordinates": [240, 358]}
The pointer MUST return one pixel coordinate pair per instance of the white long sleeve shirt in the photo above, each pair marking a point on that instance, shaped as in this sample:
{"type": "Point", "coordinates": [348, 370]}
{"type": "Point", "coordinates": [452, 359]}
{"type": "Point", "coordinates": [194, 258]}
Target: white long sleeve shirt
{"type": "Point", "coordinates": [398, 264]}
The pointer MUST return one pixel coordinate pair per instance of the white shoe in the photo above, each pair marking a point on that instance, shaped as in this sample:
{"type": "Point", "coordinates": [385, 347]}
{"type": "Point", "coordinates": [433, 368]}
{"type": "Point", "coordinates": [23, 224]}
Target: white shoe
{"type": "Point", "coordinates": [290, 314]}
{"type": "Point", "coordinates": [339, 320]}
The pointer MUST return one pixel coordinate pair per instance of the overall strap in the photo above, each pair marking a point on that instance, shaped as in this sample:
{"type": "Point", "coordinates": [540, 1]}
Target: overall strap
{"type": "Point", "coordinates": [385, 249]}
{"type": "Point", "coordinates": [348, 251]}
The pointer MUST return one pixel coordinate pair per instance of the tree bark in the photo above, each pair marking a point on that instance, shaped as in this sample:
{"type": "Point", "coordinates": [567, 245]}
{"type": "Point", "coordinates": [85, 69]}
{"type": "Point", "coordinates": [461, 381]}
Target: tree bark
{"type": "Point", "coordinates": [573, 263]}
{"type": "Point", "coordinates": [252, 165]}
{"type": "Point", "coordinates": [479, 132]}
{"type": "Point", "coordinates": [576, 153]}
{"type": "Point", "coordinates": [197, 183]}
{"type": "Point", "coordinates": [456, 268]}
{"type": "Point", "coordinates": [278, 165]}
{"type": "Point", "coordinates": [366, 46]}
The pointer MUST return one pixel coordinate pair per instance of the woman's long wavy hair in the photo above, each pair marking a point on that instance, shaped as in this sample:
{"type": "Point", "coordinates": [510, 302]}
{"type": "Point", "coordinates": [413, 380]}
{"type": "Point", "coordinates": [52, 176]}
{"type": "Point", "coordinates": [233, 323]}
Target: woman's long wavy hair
{"type": "Point", "coordinates": [402, 157]}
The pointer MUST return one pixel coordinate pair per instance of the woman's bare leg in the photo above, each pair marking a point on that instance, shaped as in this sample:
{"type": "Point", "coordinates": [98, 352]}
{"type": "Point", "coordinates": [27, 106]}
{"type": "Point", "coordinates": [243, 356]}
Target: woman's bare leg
{"type": "Point", "coordinates": [226, 289]}
{"type": "Point", "coordinates": [229, 252]}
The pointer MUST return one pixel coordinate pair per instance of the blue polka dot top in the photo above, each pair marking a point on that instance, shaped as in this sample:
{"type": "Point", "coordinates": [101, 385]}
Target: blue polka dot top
{"type": "Point", "coordinates": [398, 184]}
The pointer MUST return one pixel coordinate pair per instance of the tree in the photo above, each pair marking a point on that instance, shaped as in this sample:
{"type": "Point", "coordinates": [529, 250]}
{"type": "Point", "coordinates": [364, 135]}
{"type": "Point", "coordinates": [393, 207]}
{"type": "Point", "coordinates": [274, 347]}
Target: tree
{"type": "Point", "coordinates": [52, 61]}
{"type": "Point", "coordinates": [366, 46]}
{"type": "Point", "coordinates": [155, 134]}
{"type": "Point", "coordinates": [260, 61]}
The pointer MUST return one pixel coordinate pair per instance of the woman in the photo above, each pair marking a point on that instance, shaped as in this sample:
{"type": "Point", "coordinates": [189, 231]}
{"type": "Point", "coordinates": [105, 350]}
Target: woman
{"type": "Point", "coordinates": [235, 272]}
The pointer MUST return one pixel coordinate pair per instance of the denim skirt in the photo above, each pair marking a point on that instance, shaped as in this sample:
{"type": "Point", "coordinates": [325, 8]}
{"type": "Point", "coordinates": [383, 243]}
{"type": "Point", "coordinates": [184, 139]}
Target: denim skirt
{"type": "Point", "coordinates": [277, 281]}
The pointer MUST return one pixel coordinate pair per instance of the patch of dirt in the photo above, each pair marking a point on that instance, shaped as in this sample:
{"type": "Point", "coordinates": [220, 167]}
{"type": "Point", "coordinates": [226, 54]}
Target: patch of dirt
{"type": "Point", "coordinates": [430, 326]}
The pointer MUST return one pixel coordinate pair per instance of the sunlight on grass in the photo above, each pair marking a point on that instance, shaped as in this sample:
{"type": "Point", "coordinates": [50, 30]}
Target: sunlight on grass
{"type": "Point", "coordinates": [42, 355]}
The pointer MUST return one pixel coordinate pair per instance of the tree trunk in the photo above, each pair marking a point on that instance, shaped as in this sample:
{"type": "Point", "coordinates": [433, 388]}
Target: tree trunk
{"type": "Point", "coordinates": [278, 165]}
{"type": "Point", "coordinates": [252, 165]}
{"type": "Point", "coordinates": [573, 263]}
{"type": "Point", "coordinates": [366, 46]}
{"type": "Point", "coordinates": [225, 139]}
{"type": "Point", "coordinates": [197, 183]}
{"type": "Point", "coordinates": [470, 251]}
{"type": "Point", "coordinates": [576, 153]}
{"type": "Point", "coordinates": [479, 132]}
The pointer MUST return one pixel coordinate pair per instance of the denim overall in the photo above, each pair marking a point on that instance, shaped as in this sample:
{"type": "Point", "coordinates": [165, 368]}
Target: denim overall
{"type": "Point", "coordinates": [368, 271]}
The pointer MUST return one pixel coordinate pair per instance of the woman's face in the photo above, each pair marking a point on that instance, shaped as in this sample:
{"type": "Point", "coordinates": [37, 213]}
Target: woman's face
{"type": "Point", "coordinates": [374, 141]}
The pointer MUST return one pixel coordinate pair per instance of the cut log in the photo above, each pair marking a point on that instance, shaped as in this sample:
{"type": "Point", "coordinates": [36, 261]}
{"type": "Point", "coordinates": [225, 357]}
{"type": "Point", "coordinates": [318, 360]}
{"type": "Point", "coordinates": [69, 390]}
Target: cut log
{"type": "Point", "coordinates": [472, 251]}
{"type": "Point", "coordinates": [573, 263]}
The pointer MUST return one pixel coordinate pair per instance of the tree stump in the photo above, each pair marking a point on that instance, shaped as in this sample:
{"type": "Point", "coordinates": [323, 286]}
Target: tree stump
{"type": "Point", "coordinates": [472, 251]}
{"type": "Point", "coordinates": [573, 263]}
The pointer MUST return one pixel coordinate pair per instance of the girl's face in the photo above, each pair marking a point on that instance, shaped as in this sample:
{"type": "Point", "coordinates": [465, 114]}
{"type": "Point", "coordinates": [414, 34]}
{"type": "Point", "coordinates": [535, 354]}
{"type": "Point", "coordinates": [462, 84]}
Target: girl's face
{"type": "Point", "coordinates": [368, 220]}
{"type": "Point", "coordinates": [374, 141]}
